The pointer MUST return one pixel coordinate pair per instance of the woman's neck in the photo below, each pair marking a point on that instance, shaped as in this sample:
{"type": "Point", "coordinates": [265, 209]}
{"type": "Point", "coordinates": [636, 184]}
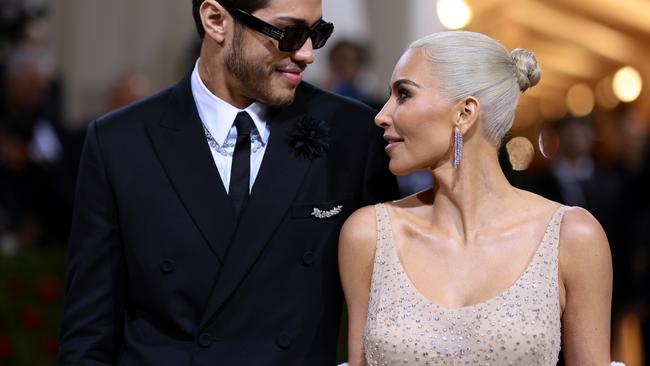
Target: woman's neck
{"type": "Point", "coordinates": [472, 196]}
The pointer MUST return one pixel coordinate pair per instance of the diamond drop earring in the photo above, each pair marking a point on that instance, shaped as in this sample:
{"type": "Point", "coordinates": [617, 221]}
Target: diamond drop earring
{"type": "Point", "coordinates": [458, 146]}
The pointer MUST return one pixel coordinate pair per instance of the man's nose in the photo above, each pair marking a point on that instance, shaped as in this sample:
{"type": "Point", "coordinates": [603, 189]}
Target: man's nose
{"type": "Point", "coordinates": [305, 53]}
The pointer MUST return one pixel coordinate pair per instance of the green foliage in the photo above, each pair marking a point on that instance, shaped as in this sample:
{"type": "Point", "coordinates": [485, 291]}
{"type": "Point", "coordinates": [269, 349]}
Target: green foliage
{"type": "Point", "coordinates": [31, 305]}
{"type": "Point", "coordinates": [31, 302]}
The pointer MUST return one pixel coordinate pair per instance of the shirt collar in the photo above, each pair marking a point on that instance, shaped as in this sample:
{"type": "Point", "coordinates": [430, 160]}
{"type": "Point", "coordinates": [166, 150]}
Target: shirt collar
{"type": "Point", "coordinates": [218, 115]}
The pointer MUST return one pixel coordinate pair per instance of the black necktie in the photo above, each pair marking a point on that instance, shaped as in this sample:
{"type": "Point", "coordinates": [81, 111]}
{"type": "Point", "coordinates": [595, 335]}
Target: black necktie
{"type": "Point", "coordinates": [240, 169]}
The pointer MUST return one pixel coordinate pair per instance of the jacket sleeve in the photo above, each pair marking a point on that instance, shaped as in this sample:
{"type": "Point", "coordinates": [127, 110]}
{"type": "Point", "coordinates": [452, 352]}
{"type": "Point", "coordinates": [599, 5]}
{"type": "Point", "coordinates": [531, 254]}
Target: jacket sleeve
{"type": "Point", "coordinates": [91, 332]}
{"type": "Point", "coordinates": [380, 184]}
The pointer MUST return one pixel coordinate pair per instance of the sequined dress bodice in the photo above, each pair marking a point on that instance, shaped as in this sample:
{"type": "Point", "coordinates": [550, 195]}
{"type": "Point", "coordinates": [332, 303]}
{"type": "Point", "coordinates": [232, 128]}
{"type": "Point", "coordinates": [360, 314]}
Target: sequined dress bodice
{"type": "Point", "coordinates": [521, 326]}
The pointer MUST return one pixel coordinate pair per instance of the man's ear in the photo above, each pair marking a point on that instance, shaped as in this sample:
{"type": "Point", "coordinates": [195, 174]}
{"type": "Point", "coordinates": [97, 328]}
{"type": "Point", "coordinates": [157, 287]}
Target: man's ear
{"type": "Point", "coordinates": [468, 111]}
{"type": "Point", "coordinates": [215, 20]}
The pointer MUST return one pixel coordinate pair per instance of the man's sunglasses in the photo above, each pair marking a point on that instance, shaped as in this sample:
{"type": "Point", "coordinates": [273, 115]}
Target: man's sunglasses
{"type": "Point", "coordinates": [289, 39]}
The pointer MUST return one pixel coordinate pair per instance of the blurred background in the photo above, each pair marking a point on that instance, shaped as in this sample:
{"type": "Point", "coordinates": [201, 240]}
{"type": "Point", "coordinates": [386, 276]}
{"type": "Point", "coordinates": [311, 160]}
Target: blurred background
{"type": "Point", "coordinates": [580, 136]}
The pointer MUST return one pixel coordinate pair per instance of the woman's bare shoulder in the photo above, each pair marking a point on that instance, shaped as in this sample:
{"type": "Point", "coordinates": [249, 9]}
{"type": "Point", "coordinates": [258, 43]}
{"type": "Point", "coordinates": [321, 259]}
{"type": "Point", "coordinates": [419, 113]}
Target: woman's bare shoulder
{"type": "Point", "coordinates": [359, 232]}
{"type": "Point", "coordinates": [581, 232]}
{"type": "Point", "coordinates": [585, 256]}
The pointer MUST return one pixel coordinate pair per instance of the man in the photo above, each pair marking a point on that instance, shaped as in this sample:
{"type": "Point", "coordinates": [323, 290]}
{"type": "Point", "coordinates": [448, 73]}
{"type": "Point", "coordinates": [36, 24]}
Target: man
{"type": "Point", "coordinates": [207, 216]}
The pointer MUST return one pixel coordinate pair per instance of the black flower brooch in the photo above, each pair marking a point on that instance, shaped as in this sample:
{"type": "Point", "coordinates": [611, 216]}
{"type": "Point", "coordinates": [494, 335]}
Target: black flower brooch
{"type": "Point", "coordinates": [309, 138]}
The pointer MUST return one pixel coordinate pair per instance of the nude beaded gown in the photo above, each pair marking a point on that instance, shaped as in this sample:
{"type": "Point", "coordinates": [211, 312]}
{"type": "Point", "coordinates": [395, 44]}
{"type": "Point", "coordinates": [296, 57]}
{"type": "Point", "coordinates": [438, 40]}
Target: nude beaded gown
{"type": "Point", "coordinates": [521, 326]}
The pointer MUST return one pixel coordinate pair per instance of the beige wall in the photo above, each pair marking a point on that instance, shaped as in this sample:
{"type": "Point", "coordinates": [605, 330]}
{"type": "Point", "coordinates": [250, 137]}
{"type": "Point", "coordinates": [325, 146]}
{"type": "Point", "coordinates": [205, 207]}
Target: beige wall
{"type": "Point", "coordinates": [389, 36]}
{"type": "Point", "coordinates": [98, 40]}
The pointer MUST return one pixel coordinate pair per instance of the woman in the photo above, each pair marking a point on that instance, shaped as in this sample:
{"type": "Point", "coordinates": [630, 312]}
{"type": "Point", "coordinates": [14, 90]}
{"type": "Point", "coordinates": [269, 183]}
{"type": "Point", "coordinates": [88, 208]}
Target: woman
{"type": "Point", "coordinates": [474, 270]}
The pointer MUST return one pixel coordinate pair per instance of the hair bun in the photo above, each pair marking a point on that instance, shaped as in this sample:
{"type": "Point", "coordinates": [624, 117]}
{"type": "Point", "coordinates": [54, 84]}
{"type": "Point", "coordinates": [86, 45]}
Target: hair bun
{"type": "Point", "coordinates": [527, 68]}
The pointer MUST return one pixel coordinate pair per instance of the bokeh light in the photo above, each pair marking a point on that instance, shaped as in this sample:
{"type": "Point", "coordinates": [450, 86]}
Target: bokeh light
{"type": "Point", "coordinates": [605, 94]}
{"type": "Point", "coordinates": [580, 100]}
{"type": "Point", "coordinates": [548, 142]}
{"type": "Point", "coordinates": [552, 110]}
{"type": "Point", "coordinates": [453, 14]}
{"type": "Point", "coordinates": [627, 84]}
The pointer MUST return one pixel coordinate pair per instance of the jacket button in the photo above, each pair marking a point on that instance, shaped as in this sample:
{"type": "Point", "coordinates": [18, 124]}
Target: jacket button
{"type": "Point", "coordinates": [283, 341]}
{"type": "Point", "coordinates": [308, 258]}
{"type": "Point", "coordinates": [167, 267]}
{"type": "Point", "coordinates": [205, 340]}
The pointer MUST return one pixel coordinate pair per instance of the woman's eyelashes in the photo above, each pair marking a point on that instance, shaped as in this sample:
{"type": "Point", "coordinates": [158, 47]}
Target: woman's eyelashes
{"type": "Point", "coordinates": [402, 94]}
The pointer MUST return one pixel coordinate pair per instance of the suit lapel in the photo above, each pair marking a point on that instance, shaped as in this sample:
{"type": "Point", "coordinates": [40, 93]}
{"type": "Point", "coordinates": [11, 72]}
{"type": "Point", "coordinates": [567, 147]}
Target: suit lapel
{"type": "Point", "coordinates": [278, 181]}
{"type": "Point", "coordinates": [180, 143]}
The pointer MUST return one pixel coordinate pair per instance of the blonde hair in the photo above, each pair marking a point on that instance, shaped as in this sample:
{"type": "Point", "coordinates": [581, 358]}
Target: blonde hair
{"type": "Point", "coordinates": [473, 64]}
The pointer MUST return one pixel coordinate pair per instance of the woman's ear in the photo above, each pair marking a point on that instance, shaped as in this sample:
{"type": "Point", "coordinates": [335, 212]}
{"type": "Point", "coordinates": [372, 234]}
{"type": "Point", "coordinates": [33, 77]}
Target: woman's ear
{"type": "Point", "coordinates": [468, 113]}
{"type": "Point", "coordinates": [215, 19]}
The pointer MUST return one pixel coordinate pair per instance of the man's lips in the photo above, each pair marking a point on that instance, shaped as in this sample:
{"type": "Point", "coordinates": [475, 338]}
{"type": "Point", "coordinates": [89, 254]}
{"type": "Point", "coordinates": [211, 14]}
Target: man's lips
{"type": "Point", "coordinates": [293, 75]}
{"type": "Point", "coordinates": [393, 142]}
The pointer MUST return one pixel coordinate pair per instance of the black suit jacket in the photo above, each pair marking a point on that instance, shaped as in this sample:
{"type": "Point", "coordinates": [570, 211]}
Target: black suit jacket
{"type": "Point", "coordinates": [160, 270]}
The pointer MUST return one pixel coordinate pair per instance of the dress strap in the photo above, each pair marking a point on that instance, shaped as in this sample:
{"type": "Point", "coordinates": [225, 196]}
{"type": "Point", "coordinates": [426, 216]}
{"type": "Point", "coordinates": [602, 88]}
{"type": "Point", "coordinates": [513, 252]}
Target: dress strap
{"type": "Point", "coordinates": [552, 235]}
{"type": "Point", "coordinates": [383, 226]}
{"type": "Point", "coordinates": [382, 245]}
{"type": "Point", "coordinates": [545, 263]}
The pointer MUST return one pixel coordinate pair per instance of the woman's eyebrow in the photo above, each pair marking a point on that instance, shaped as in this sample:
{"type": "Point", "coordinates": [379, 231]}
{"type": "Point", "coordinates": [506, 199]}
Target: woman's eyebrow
{"type": "Point", "coordinates": [401, 82]}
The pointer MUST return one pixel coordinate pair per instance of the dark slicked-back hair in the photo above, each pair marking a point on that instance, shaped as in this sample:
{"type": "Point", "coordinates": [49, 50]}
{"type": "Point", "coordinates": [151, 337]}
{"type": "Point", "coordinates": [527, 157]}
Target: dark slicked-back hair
{"type": "Point", "coordinates": [245, 5]}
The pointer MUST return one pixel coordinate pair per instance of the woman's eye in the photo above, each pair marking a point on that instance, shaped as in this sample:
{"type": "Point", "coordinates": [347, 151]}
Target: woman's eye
{"type": "Point", "coordinates": [403, 94]}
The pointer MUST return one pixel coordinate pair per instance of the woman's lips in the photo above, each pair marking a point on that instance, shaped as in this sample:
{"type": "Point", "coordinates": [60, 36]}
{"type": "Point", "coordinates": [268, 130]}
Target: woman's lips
{"type": "Point", "coordinates": [393, 142]}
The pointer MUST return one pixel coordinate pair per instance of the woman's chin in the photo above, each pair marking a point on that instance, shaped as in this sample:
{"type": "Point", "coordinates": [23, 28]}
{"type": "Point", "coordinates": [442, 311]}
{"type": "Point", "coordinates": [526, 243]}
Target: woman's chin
{"type": "Point", "coordinates": [400, 171]}
{"type": "Point", "coordinates": [404, 166]}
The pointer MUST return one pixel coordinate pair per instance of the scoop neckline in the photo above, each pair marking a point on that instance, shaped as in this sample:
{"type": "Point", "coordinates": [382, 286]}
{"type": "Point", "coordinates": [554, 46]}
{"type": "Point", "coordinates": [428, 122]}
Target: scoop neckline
{"type": "Point", "coordinates": [500, 295]}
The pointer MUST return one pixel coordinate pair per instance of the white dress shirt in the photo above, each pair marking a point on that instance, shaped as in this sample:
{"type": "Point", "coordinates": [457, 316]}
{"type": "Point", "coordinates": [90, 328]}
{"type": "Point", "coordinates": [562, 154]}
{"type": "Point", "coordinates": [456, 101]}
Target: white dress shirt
{"type": "Point", "coordinates": [218, 117]}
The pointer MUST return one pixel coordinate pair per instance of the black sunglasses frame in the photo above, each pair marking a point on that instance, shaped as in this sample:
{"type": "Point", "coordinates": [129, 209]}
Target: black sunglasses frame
{"type": "Point", "coordinates": [285, 42]}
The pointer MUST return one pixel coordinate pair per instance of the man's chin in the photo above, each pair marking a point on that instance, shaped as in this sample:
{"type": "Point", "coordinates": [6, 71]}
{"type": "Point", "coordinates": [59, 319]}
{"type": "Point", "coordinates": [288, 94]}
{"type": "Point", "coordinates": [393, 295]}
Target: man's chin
{"type": "Point", "coordinates": [281, 98]}
{"type": "Point", "coordinates": [283, 103]}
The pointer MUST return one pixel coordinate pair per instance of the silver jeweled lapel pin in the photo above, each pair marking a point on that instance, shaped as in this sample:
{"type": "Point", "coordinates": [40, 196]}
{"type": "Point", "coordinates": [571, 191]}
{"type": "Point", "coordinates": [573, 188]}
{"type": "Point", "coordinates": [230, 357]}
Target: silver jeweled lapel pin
{"type": "Point", "coordinates": [326, 214]}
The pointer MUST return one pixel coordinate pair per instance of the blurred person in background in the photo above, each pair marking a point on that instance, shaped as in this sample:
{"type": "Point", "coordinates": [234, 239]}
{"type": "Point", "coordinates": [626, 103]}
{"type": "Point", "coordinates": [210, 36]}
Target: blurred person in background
{"type": "Point", "coordinates": [22, 26]}
{"type": "Point", "coordinates": [575, 178]}
{"type": "Point", "coordinates": [574, 166]}
{"type": "Point", "coordinates": [207, 216]}
{"type": "Point", "coordinates": [27, 198]}
{"type": "Point", "coordinates": [347, 63]}
{"type": "Point", "coordinates": [27, 82]}
{"type": "Point", "coordinates": [22, 22]}
{"type": "Point", "coordinates": [36, 194]}
{"type": "Point", "coordinates": [634, 217]}
{"type": "Point", "coordinates": [30, 151]}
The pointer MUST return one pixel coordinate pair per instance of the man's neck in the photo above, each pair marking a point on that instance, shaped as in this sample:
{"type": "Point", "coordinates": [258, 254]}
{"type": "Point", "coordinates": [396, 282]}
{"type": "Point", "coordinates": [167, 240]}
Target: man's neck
{"type": "Point", "coordinates": [214, 76]}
